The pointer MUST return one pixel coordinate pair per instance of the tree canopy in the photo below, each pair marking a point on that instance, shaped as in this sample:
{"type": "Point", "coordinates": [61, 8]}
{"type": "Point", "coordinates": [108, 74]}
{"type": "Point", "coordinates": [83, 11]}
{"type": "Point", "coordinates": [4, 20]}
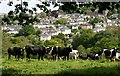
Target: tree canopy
{"type": "Point", "coordinates": [62, 21]}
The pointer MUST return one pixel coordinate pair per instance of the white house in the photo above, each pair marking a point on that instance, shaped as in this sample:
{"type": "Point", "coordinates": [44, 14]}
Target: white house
{"type": "Point", "coordinates": [12, 29]}
{"type": "Point", "coordinates": [101, 24]}
{"type": "Point", "coordinates": [45, 37]}
{"type": "Point", "coordinates": [99, 28]}
{"type": "Point", "coordinates": [43, 25]}
{"type": "Point", "coordinates": [65, 30]}
{"type": "Point", "coordinates": [13, 32]}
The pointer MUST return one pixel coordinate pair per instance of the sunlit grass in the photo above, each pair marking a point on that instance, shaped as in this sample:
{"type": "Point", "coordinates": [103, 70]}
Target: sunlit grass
{"type": "Point", "coordinates": [60, 67]}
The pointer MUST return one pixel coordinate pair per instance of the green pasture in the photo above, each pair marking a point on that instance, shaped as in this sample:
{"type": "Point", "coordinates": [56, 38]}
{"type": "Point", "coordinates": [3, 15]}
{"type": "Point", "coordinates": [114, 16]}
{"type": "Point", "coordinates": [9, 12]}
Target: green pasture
{"type": "Point", "coordinates": [60, 67]}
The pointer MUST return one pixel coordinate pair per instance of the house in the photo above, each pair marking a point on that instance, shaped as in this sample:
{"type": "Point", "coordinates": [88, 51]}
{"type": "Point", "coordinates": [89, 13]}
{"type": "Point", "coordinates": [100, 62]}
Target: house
{"type": "Point", "coordinates": [115, 22]}
{"type": "Point", "coordinates": [72, 26]}
{"type": "Point", "coordinates": [12, 29]}
{"type": "Point", "coordinates": [81, 22]}
{"type": "Point", "coordinates": [86, 26]}
{"type": "Point", "coordinates": [12, 32]}
{"type": "Point", "coordinates": [45, 37]}
{"type": "Point", "coordinates": [43, 25]}
{"type": "Point", "coordinates": [101, 24]}
{"type": "Point", "coordinates": [65, 30]}
{"type": "Point", "coordinates": [99, 28]}
{"type": "Point", "coordinates": [115, 16]}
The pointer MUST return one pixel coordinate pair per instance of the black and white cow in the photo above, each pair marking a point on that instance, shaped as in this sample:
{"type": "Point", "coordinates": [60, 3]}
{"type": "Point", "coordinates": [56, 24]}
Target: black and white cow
{"type": "Point", "coordinates": [93, 56]}
{"type": "Point", "coordinates": [53, 51]}
{"type": "Point", "coordinates": [83, 57]}
{"type": "Point", "coordinates": [35, 50]}
{"type": "Point", "coordinates": [111, 54]}
{"type": "Point", "coordinates": [60, 52]}
{"type": "Point", "coordinates": [16, 51]}
{"type": "Point", "coordinates": [118, 56]}
{"type": "Point", "coordinates": [74, 54]}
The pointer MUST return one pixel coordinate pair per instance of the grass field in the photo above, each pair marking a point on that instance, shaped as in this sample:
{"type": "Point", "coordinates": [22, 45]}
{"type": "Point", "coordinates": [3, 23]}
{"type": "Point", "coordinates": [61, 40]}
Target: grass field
{"type": "Point", "coordinates": [70, 67]}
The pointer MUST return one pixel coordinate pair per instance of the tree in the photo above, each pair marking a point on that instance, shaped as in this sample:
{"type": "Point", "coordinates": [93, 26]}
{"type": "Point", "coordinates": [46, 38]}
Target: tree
{"type": "Point", "coordinates": [102, 34]}
{"type": "Point", "coordinates": [62, 21]}
{"type": "Point", "coordinates": [113, 29]}
{"type": "Point", "coordinates": [43, 15]}
{"type": "Point", "coordinates": [109, 43]}
{"type": "Point", "coordinates": [26, 30]}
{"type": "Point", "coordinates": [40, 43]}
{"type": "Point", "coordinates": [38, 32]}
{"type": "Point", "coordinates": [50, 43]}
{"type": "Point", "coordinates": [81, 49]}
{"type": "Point", "coordinates": [82, 7]}
{"type": "Point", "coordinates": [21, 16]}
{"type": "Point", "coordinates": [69, 7]}
{"type": "Point", "coordinates": [24, 16]}
{"type": "Point", "coordinates": [60, 36]}
{"type": "Point", "coordinates": [93, 21]}
{"type": "Point", "coordinates": [83, 38]}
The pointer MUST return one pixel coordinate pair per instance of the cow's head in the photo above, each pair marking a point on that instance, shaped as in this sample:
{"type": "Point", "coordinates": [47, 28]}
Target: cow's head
{"type": "Point", "coordinates": [70, 48]}
{"type": "Point", "coordinates": [116, 49]}
{"type": "Point", "coordinates": [22, 52]}
{"type": "Point", "coordinates": [48, 50]}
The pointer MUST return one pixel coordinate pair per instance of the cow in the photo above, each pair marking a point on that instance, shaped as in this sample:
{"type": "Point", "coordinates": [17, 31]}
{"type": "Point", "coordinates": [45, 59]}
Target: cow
{"type": "Point", "coordinates": [83, 57]}
{"type": "Point", "coordinates": [93, 56]}
{"type": "Point", "coordinates": [35, 50]}
{"type": "Point", "coordinates": [54, 52]}
{"type": "Point", "coordinates": [64, 52]}
{"type": "Point", "coordinates": [16, 51]}
{"type": "Point", "coordinates": [111, 54]}
{"type": "Point", "coordinates": [74, 54]}
{"type": "Point", "coordinates": [60, 52]}
{"type": "Point", "coordinates": [118, 56]}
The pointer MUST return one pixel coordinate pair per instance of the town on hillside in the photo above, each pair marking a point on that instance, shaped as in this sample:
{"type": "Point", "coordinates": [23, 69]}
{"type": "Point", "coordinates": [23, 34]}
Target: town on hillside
{"type": "Point", "coordinates": [74, 21]}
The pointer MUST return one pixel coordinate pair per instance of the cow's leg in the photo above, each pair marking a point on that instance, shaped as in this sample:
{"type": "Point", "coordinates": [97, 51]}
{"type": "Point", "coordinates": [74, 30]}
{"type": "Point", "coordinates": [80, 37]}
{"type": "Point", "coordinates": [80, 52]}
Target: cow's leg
{"type": "Point", "coordinates": [42, 58]}
{"type": "Point", "coordinates": [38, 57]}
{"type": "Point", "coordinates": [9, 55]}
{"type": "Point", "coordinates": [18, 57]}
{"type": "Point", "coordinates": [15, 57]}
{"type": "Point", "coordinates": [110, 59]}
{"type": "Point", "coordinates": [75, 57]}
{"type": "Point", "coordinates": [67, 57]}
{"type": "Point", "coordinates": [58, 57]}
{"type": "Point", "coordinates": [28, 57]}
{"type": "Point", "coordinates": [62, 57]}
{"type": "Point", "coordinates": [53, 57]}
{"type": "Point", "coordinates": [22, 57]}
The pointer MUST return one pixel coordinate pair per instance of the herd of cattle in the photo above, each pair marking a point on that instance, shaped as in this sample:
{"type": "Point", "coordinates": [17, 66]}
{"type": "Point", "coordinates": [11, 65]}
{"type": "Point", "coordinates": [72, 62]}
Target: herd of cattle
{"type": "Point", "coordinates": [60, 53]}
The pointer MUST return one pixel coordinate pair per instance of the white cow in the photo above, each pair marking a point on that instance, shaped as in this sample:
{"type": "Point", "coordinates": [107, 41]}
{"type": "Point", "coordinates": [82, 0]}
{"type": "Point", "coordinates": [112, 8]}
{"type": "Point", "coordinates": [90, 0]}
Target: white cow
{"type": "Point", "coordinates": [118, 56]}
{"type": "Point", "coordinates": [74, 54]}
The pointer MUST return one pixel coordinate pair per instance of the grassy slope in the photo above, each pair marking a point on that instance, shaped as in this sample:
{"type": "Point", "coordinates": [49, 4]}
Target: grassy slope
{"type": "Point", "coordinates": [61, 67]}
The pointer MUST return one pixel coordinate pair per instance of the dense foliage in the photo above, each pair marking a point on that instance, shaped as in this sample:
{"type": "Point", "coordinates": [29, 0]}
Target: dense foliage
{"type": "Point", "coordinates": [84, 8]}
{"type": "Point", "coordinates": [87, 39]}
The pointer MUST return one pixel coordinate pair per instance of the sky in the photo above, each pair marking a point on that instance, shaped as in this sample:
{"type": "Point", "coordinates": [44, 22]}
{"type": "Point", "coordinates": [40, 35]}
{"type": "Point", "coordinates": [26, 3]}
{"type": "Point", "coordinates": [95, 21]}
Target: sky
{"type": "Point", "coordinates": [4, 8]}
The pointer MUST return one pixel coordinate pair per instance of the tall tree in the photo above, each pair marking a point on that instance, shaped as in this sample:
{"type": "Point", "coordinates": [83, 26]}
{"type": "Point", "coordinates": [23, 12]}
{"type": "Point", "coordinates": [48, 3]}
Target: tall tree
{"type": "Point", "coordinates": [83, 38]}
{"type": "Point", "coordinates": [24, 16]}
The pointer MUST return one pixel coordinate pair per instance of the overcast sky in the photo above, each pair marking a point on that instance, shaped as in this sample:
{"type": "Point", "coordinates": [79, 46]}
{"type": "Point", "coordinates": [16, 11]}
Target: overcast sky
{"type": "Point", "coordinates": [4, 8]}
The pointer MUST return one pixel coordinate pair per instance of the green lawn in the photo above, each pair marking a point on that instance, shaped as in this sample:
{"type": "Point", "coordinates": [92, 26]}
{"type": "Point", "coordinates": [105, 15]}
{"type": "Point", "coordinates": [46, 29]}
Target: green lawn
{"type": "Point", "coordinates": [77, 67]}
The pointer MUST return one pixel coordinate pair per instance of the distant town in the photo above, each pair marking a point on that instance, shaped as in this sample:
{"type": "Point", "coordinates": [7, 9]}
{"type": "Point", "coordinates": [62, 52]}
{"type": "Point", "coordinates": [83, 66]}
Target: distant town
{"type": "Point", "coordinates": [75, 21]}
